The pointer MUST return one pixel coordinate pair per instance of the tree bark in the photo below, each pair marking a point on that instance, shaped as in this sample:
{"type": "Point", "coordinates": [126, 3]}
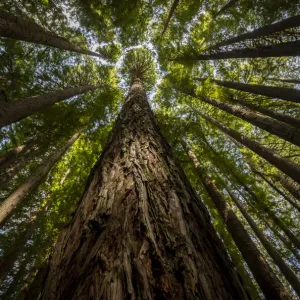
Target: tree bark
{"type": "Point", "coordinates": [288, 94]}
{"type": "Point", "coordinates": [290, 186]}
{"type": "Point", "coordinates": [278, 128]}
{"type": "Point", "coordinates": [140, 231]}
{"type": "Point", "coordinates": [225, 7]}
{"type": "Point", "coordinates": [262, 31]}
{"type": "Point", "coordinates": [17, 110]}
{"type": "Point", "coordinates": [17, 28]}
{"type": "Point", "coordinates": [262, 272]}
{"type": "Point", "coordinates": [276, 50]}
{"type": "Point", "coordinates": [171, 12]}
{"type": "Point", "coordinates": [19, 195]}
{"type": "Point", "coordinates": [285, 165]}
{"type": "Point", "coordinates": [276, 256]}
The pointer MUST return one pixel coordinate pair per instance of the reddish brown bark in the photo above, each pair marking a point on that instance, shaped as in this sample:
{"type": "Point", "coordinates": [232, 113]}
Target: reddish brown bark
{"type": "Point", "coordinates": [17, 110]}
{"type": "Point", "coordinates": [140, 231]}
{"type": "Point", "coordinates": [262, 272]}
{"type": "Point", "coordinates": [17, 28]}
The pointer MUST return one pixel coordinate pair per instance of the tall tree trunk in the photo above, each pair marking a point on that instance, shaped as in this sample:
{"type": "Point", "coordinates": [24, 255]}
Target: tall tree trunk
{"type": "Point", "coordinates": [292, 187]}
{"type": "Point", "coordinates": [6, 157]}
{"type": "Point", "coordinates": [276, 256]}
{"type": "Point", "coordinates": [288, 94]}
{"type": "Point", "coordinates": [19, 195]}
{"type": "Point", "coordinates": [140, 231]}
{"type": "Point", "coordinates": [285, 165]}
{"type": "Point", "coordinates": [171, 12]}
{"type": "Point", "coordinates": [263, 273]}
{"type": "Point", "coordinates": [14, 111]}
{"type": "Point", "coordinates": [271, 113]}
{"type": "Point", "coordinates": [225, 7]}
{"type": "Point", "coordinates": [17, 28]}
{"type": "Point", "coordinates": [295, 81]}
{"type": "Point", "coordinates": [284, 240]}
{"type": "Point", "coordinates": [9, 258]}
{"type": "Point", "coordinates": [262, 31]}
{"type": "Point", "coordinates": [276, 50]}
{"type": "Point", "coordinates": [281, 129]}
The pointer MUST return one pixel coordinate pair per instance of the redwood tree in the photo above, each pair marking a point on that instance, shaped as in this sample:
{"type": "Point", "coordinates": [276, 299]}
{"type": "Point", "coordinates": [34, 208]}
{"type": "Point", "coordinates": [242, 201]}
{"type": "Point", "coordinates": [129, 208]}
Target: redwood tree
{"type": "Point", "coordinates": [140, 231]}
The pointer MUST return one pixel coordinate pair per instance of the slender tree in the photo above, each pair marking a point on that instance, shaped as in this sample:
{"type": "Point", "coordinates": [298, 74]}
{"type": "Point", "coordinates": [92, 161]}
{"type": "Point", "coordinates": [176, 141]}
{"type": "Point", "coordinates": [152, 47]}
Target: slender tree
{"type": "Point", "coordinates": [285, 165]}
{"type": "Point", "coordinates": [171, 12]}
{"type": "Point", "coordinates": [17, 110]}
{"type": "Point", "coordinates": [17, 28]}
{"type": "Point", "coordinates": [19, 195]}
{"type": "Point", "coordinates": [261, 32]}
{"type": "Point", "coordinates": [284, 268]}
{"type": "Point", "coordinates": [288, 94]}
{"type": "Point", "coordinates": [276, 50]}
{"type": "Point", "coordinates": [263, 273]}
{"type": "Point", "coordinates": [295, 81]}
{"type": "Point", "coordinates": [224, 8]}
{"type": "Point", "coordinates": [271, 113]}
{"type": "Point", "coordinates": [136, 232]}
{"type": "Point", "coordinates": [281, 129]}
{"type": "Point", "coordinates": [291, 187]}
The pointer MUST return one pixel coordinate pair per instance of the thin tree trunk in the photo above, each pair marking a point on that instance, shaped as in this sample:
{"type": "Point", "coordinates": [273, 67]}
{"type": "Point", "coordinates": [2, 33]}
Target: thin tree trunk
{"type": "Point", "coordinates": [276, 50]}
{"type": "Point", "coordinates": [7, 156]}
{"type": "Point", "coordinates": [225, 7]}
{"type": "Point", "coordinates": [14, 111]}
{"type": "Point", "coordinates": [285, 165]}
{"type": "Point", "coordinates": [287, 94]}
{"type": "Point", "coordinates": [140, 231]}
{"type": "Point", "coordinates": [281, 129]}
{"type": "Point", "coordinates": [19, 195]}
{"type": "Point", "coordinates": [295, 81]}
{"type": "Point", "coordinates": [262, 31]}
{"type": "Point", "coordinates": [263, 273]}
{"type": "Point", "coordinates": [9, 258]}
{"type": "Point", "coordinates": [171, 12]}
{"type": "Point", "coordinates": [284, 240]}
{"type": "Point", "coordinates": [276, 256]}
{"type": "Point", "coordinates": [292, 187]}
{"type": "Point", "coordinates": [271, 113]}
{"type": "Point", "coordinates": [17, 28]}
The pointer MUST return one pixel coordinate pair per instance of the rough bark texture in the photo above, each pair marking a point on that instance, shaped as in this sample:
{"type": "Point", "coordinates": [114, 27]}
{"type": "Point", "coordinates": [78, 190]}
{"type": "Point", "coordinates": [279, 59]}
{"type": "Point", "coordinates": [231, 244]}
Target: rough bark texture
{"type": "Point", "coordinates": [276, 256]}
{"type": "Point", "coordinates": [285, 165]}
{"type": "Point", "coordinates": [263, 31]}
{"type": "Point", "coordinates": [288, 94]}
{"type": "Point", "coordinates": [140, 231]}
{"type": "Point", "coordinates": [17, 28]}
{"type": "Point", "coordinates": [263, 273]}
{"type": "Point", "coordinates": [277, 50]}
{"type": "Point", "coordinates": [20, 194]}
{"type": "Point", "coordinates": [171, 12]}
{"type": "Point", "coordinates": [14, 111]}
{"type": "Point", "coordinates": [225, 7]}
{"type": "Point", "coordinates": [271, 113]}
{"type": "Point", "coordinates": [281, 129]}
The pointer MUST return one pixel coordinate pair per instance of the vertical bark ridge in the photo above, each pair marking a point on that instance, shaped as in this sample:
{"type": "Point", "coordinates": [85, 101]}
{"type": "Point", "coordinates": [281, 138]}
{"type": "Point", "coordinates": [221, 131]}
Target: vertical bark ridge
{"type": "Point", "coordinates": [140, 231]}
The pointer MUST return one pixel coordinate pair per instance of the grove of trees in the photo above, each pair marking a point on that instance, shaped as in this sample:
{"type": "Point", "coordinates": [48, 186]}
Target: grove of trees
{"type": "Point", "coordinates": [149, 149]}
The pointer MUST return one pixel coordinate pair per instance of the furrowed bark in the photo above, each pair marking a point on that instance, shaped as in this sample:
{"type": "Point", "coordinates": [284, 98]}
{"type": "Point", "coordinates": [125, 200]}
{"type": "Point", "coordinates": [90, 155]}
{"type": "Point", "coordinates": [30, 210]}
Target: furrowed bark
{"type": "Point", "coordinates": [19, 29]}
{"type": "Point", "coordinates": [278, 128]}
{"type": "Point", "coordinates": [285, 165]}
{"type": "Point", "coordinates": [19, 195]}
{"type": "Point", "coordinates": [262, 272]}
{"type": "Point", "coordinates": [171, 12]}
{"type": "Point", "coordinates": [276, 50]}
{"type": "Point", "coordinates": [225, 7]}
{"type": "Point", "coordinates": [262, 31]}
{"type": "Point", "coordinates": [271, 113]}
{"type": "Point", "coordinates": [140, 231]}
{"type": "Point", "coordinates": [287, 94]}
{"type": "Point", "coordinates": [14, 111]}
{"type": "Point", "coordinates": [276, 256]}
